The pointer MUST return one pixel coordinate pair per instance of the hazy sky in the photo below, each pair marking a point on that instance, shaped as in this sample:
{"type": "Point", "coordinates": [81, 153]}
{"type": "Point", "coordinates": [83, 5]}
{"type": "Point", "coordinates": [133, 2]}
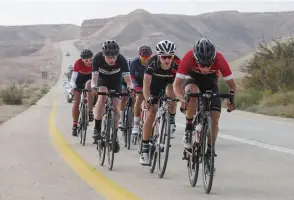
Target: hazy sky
{"type": "Point", "coordinates": [25, 12]}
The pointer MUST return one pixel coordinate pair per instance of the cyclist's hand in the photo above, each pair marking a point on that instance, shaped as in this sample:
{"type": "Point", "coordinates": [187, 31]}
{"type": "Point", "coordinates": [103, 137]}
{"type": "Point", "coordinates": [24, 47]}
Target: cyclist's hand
{"type": "Point", "coordinates": [94, 90]}
{"type": "Point", "coordinates": [148, 103]}
{"type": "Point", "coordinates": [132, 92]}
{"type": "Point", "coordinates": [231, 105]}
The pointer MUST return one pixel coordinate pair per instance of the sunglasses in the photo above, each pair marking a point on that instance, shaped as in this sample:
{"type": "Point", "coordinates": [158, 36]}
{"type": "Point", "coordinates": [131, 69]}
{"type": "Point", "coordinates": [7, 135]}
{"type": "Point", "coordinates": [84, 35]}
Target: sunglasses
{"type": "Point", "coordinates": [111, 57]}
{"type": "Point", "coordinates": [145, 57]}
{"type": "Point", "coordinates": [166, 57]}
{"type": "Point", "coordinates": [87, 60]}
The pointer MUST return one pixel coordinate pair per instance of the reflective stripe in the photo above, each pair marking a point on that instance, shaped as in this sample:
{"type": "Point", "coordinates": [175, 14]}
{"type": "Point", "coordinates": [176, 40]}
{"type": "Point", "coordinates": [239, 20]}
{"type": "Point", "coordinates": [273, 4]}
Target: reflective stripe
{"type": "Point", "coordinates": [106, 72]}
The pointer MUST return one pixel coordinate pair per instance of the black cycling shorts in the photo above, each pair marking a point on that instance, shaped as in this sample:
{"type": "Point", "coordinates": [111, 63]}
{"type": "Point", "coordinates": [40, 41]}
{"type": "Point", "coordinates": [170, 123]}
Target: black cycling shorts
{"type": "Point", "coordinates": [82, 80]}
{"type": "Point", "coordinates": [204, 85]}
{"type": "Point", "coordinates": [111, 82]}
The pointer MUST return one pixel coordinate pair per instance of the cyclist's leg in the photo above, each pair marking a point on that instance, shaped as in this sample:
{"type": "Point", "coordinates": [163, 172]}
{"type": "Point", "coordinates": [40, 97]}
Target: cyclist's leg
{"type": "Point", "coordinates": [100, 106]}
{"type": "Point", "coordinates": [122, 106]}
{"type": "Point", "coordinates": [90, 101]}
{"type": "Point", "coordinates": [137, 111]}
{"type": "Point", "coordinates": [80, 81]}
{"type": "Point", "coordinates": [147, 126]}
{"type": "Point", "coordinates": [215, 115]}
{"type": "Point", "coordinates": [75, 112]}
{"type": "Point", "coordinates": [190, 85]}
{"type": "Point", "coordinates": [172, 110]}
{"type": "Point", "coordinates": [116, 103]}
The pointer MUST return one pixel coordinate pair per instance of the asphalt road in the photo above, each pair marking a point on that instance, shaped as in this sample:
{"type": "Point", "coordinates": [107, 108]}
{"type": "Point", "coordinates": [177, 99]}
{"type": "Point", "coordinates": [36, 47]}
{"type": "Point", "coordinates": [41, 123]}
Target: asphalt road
{"type": "Point", "coordinates": [39, 158]}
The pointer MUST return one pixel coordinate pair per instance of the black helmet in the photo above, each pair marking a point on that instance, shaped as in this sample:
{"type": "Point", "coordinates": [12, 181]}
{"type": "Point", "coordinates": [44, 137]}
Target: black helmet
{"type": "Point", "coordinates": [204, 51]}
{"type": "Point", "coordinates": [145, 50]}
{"type": "Point", "coordinates": [110, 48]}
{"type": "Point", "coordinates": [86, 54]}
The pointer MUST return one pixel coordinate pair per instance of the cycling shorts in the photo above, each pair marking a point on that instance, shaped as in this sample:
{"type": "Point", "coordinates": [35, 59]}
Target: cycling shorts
{"type": "Point", "coordinates": [110, 82]}
{"type": "Point", "coordinates": [82, 80]}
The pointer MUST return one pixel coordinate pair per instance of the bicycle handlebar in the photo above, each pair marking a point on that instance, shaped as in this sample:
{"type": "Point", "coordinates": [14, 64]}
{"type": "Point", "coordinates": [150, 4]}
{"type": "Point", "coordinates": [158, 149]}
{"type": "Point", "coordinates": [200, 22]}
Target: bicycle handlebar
{"type": "Point", "coordinates": [208, 95]}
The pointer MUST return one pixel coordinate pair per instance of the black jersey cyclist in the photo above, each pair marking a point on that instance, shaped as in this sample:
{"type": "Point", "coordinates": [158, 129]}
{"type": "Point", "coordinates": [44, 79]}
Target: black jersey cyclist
{"type": "Point", "coordinates": [109, 67]}
{"type": "Point", "coordinates": [159, 76]}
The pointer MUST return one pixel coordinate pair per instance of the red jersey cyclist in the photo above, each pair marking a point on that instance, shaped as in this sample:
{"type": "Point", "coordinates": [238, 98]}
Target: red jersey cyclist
{"type": "Point", "coordinates": [81, 78]}
{"type": "Point", "coordinates": [202, 64]}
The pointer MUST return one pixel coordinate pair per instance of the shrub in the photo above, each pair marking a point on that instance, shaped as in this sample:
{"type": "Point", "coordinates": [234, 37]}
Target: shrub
{"type": "Point", "coordinates": [12, 95]}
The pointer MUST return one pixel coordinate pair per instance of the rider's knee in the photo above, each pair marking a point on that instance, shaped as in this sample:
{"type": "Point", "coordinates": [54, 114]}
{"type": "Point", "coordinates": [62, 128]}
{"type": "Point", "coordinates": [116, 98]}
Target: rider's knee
{"type": "Point", "coordinates": [88, 84]}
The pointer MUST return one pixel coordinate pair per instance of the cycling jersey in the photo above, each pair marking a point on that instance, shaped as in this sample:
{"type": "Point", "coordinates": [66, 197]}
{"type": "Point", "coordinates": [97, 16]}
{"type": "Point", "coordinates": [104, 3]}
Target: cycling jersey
{"type": "Point", "coordinates": [124, 84]}
{"type": "Point", "coordinates": [160, 77]}
{"type": "Point", "coordinates": [80, 75]}
{"type": "Point", "coordinates": [189, 67]}
{"type": "Point", "coordinates": [110, 76]}
{"type": "Point", "coordinates": [137, 73]}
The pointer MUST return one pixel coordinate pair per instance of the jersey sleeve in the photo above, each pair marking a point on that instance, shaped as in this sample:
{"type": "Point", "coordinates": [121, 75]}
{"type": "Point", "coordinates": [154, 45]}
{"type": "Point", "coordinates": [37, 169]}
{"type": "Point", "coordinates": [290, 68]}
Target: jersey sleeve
{"type": "Point", "coordinates": [95, 64]}
{"type": "Point", "coordinates": [150, 69]}
{"type": "Point", "coordinates": [224, 67]}
{"type": "Point", "coordinates": [185, 64]}
{"type": "Point", "coordinates": [76, 66]}
{"type": "Point", "coordinates": [124, 66]}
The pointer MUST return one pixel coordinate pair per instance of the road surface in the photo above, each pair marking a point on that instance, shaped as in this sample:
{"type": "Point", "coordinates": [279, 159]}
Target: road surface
{"type": "Point", "coordinates": [41, 160]}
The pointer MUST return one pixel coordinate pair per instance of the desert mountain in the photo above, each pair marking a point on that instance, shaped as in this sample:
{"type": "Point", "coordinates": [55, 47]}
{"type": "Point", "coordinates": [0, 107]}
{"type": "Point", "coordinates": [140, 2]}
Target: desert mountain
{"type": "Point", "coordinates": [24, 40]}
{"type": "Point", "coordinates": [234, 33]}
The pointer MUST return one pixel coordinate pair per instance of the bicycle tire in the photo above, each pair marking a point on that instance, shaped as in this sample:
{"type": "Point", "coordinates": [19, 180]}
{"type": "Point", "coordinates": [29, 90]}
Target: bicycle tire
{"type": "Point", "coordinates": [164, 137]}
{"type": "Point", "coordinates": [129, 127]}
{"type": "Point", "coordinates": [85, 116]}
{"type": "Point", "coordinates": [193, 161]}
{"type": "Point", "coordinates": [81, 123]}
{"type": "Point", "coordinates": [101, 144]}
{"type": "Point", "coordinates": [208, 184]}
{"type": "Point", "coordinates": [152, 152]}
{"type": "Point", "coordinates": [111, 135]}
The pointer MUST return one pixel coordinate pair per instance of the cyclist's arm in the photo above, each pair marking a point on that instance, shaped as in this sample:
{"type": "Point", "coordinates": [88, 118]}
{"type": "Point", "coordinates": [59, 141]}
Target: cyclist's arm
{"type": "Point", "coordinates": [227, 73]}
{"type": "Point", "coordinates": [95, 71]}
{"type": "Point", "coordinates": [147, 82]}
{"type": "Point", "coordinates": [74, 75]}
{"type": "Point", "coordinates": [133, 69]}
{"type": "Point", "coordinates": [180, 76]}
{"type": "Point", "coordinates": [126, 73]}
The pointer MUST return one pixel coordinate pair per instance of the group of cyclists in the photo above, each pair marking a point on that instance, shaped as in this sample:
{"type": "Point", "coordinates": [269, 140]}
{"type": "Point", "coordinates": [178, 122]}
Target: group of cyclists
{"type": "Point", "coordinates": [151, 73]}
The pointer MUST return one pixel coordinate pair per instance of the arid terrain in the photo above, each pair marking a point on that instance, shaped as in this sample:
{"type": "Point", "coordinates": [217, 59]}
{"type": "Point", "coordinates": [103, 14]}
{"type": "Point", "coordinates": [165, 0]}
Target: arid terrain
{"type": "Point", "coordinates": [26, 52]}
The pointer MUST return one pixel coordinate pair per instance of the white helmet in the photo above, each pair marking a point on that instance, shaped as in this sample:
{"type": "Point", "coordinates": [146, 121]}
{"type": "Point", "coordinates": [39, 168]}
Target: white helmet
{"type": "Point", "coordinates": [165, 47]}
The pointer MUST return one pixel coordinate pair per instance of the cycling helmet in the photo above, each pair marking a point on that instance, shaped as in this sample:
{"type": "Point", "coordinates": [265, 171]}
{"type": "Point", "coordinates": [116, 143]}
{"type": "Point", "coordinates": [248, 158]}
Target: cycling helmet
{"type": "Point", "coordinates": [204, 51]}
{"type": "Point", "coordinates": [86, 54]}
{"type": "Point", "coordinates": [110, 48]}
{"type": "Point", "coordinates": [145, 50]}
{"type": "Point", "coordinates": [165, 47]}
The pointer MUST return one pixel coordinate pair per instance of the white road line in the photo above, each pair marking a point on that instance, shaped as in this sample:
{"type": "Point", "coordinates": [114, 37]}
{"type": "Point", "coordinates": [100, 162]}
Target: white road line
{"type": "Point", "coordinates": [253, 143]}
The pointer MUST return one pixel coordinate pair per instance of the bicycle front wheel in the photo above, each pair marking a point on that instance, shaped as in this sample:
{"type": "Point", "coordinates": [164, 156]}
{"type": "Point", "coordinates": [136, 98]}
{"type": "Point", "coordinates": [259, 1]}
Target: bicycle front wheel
{"type": "Point", "coordinates": [112, 136]}
{"type": "Point", "coordinates": [85, 122]}
{"type": "Point", "coordinates": [101, 144]}
{"type": "Point", "coordinates": [163, 145]}
{"type": "Point", "coordinates": [208, 160]}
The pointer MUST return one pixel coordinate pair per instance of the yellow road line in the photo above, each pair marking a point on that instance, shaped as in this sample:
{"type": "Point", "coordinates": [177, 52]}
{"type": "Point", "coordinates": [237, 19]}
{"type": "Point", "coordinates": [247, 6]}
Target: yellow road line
{"type": "Point", "coordinates": [102, 185]}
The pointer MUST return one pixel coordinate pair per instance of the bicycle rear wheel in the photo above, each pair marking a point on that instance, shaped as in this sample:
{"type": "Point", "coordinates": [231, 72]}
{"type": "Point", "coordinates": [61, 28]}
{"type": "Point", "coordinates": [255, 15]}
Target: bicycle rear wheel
{"type": "Point", "coordinates": [208, 160]}
{"type": "Point", "coordinates": [112, 136]}
{"type": "Point", "coordinates": [101, 144]}
{"type": "Point", "coordinates": [163, 145]}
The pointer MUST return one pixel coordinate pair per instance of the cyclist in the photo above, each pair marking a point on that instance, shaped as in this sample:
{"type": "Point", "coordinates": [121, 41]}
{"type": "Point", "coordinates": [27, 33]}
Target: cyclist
{"type": "Point", "coordinates": [109, 66]}
{"type": "Point", "coordinates": [202, 64]}
{"type": "Point", "coordinates": [159, 76]}
{"type": "Point", "coordinates": [138, 67]}
{"type": "Point", "coordinates": [81, 78]}
{"type": "Point", "coordinates": [123, 101]}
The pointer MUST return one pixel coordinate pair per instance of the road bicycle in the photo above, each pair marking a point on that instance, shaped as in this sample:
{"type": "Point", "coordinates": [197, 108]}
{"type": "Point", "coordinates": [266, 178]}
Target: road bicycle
{"type": "Point", "coordinates": [202, 124]}
{"type": "Point", "coordinates": [109, 131]}
{"type": "Point", "coordinates": [159, 143]}
{"type": "Point", "coordinates": [83, 116]}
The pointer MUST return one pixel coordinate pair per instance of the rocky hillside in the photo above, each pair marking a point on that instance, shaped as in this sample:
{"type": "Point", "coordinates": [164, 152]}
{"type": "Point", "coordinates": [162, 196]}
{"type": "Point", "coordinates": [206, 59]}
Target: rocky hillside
{"type": "Point", "coordinates": [234, 33]}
